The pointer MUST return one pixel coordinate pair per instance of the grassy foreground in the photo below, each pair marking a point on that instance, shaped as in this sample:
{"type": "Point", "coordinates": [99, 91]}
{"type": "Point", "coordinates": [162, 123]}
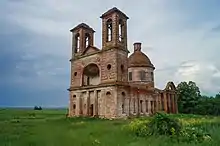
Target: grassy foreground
{"type": "Point", "coordinates": [51, 128]}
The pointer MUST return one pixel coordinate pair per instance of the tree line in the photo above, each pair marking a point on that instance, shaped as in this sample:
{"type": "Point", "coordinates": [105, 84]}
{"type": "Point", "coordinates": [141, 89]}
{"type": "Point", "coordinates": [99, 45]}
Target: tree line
{"type": "Point", "coordinates": [190, 100]}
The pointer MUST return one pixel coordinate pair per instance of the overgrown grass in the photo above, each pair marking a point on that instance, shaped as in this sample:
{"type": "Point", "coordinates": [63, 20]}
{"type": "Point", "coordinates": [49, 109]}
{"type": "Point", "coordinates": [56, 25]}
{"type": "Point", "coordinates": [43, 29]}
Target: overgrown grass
{"type": "Point", "coordinates": [51, 128]}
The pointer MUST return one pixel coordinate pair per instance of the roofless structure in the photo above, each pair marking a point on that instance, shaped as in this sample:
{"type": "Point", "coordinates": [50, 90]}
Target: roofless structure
{"type": "Point", "coordinates": [106, 82]}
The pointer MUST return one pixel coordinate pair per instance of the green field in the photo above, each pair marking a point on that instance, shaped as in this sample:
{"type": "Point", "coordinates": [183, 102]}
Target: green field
{"type": "Point", "coordinates": [51, 128]}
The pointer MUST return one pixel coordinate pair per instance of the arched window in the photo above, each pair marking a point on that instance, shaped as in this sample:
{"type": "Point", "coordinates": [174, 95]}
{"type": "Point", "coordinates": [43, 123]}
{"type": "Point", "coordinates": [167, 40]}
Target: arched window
{"type": "Point", "coordinates": [77, 45]}
{"type": "Point", "coordinates": [74, 98]}
{"type": "Point", "coordinates": [142, 75]}
{"type": "Point", "coordinates": [108, 93]}
{"type": "Point", "coordinates": [122, 68]}
{"type": "Point", "coordinates": [120, 30]}
{"type": "Point", "coordinates": [130, 76]}
{"type": "Point", "coordinates": [109, 30]}
{"type": "Point", "coordinates": [74, 109]}
{"type": "Point", "coordinates": [152, 76]}
{"type": "Point", "coordinates": [87, 39]}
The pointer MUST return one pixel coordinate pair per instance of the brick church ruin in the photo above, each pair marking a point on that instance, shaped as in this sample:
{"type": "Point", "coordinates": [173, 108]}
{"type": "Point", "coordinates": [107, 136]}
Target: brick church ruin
{"type": "Point", "coordinates": [106, 82]}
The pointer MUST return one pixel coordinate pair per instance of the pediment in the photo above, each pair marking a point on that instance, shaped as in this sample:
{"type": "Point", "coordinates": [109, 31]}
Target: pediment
{"type": "Point", "coordinates": [90, 50]}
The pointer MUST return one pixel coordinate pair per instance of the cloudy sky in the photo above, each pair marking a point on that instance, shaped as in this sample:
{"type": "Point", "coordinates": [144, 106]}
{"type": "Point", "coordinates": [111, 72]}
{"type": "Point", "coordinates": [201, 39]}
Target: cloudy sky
{"type": "Point", "coordinates": [181, 37]}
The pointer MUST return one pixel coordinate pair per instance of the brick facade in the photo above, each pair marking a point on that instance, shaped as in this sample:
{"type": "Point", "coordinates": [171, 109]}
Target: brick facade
{"type": "Point", "coordinates": [100, 83]}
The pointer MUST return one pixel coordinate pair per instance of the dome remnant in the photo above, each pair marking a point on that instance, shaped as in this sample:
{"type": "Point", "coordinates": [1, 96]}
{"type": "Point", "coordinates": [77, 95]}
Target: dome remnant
{"type": "Point", "coordinates": [138, 58]}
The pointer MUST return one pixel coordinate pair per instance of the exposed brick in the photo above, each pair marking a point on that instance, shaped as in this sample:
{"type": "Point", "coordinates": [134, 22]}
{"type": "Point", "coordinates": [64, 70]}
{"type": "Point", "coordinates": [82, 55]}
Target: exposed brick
{"type": "Point", "coordinates": [108, 93]}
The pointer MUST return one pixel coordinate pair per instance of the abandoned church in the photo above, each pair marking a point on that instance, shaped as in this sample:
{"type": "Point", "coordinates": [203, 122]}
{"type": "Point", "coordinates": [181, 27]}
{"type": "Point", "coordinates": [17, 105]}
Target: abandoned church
{"type": "Point", "coordinates": [105, 82]}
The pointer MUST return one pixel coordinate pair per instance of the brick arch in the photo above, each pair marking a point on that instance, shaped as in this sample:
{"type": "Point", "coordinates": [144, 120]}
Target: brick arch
{"type": "Point", "coordinates": [91, 72]}
{"type": "Point", "coordinates": [170, 86]}
{"type": "Point", "coordinates": [93, 60]}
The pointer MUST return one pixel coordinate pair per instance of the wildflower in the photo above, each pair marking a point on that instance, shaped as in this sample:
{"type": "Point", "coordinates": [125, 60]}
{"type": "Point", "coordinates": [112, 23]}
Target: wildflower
{"type": "Point", "coordinates": [172, 130]}
{"type": "Point", "coordinates": [96, 142]}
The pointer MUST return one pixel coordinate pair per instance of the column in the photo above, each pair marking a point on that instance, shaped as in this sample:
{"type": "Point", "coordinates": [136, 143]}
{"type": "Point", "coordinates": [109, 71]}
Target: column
{"type": "Point", "coordinates": [176, 104]}
{"type": "Point", "coordinates": [132, 105]}
{"type": "Point", "coordinates": [152, 106]}
{"type": "Point", "coordinates": [126, 105]}
{"type": "Point", "coordinates": [168, 102]}
{"type": "Point", "coordinates": [173, 103]}
{"type": "Point", "coordinates": [157, 103]}
{"type": "Point", "coordinates": [129, 106]}
{"type": "Point", "coordinates": [138, 104]}
{"type": "Point", "coordinates": [165, 101]}
{"type": "Point", "coordinates": [70, 109]}
{"type": "Point", "coordinates": [160, 102]}
{"type": "Point", "coordinates": [149, 106]}
{"type": "Point", "coordinates": [78, 106]}
{"type": "Point", "coordinates": [141, 106]}
{"type": "Point", "coordinates": [96, 103]}
{"type": "Point", "coordinates": [87, 103]}
{"type": "Point", "coordinates": [144, 105]}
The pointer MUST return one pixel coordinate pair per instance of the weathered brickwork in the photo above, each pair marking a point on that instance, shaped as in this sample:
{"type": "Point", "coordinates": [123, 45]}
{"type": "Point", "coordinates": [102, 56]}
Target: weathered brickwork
{"type": "Point", "coordinates": [105, 82]}
{"type": "Point", "coordinates": [122, 66]}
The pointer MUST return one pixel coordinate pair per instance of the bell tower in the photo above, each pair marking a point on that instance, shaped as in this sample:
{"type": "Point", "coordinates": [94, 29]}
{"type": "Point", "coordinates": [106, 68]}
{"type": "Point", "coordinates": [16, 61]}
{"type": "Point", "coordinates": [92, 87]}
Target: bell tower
{"type": "Point", "coordinates": [82, 37]}
{"type": "Point", "coordinates": [114, 29]}
{"type": "Point", "coordinates": [114, 47]}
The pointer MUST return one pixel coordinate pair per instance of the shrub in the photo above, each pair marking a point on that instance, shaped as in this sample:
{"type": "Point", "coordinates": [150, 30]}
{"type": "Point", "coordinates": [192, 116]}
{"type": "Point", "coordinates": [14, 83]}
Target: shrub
{"type": "Point", "coordinates": [139, 127]}
{"type": "Point", "coordinates": [163, 124]}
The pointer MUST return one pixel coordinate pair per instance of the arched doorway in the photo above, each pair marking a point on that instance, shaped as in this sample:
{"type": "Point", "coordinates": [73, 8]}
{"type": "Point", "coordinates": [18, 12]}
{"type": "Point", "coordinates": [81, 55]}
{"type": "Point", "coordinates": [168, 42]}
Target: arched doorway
{"type": "Point", "coordinates": [91, 109]}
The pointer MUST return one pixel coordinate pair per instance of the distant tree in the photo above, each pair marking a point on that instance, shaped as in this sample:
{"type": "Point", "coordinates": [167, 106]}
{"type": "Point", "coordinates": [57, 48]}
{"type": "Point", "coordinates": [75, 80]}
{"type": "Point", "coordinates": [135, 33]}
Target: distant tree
{"type": "Point", "coordinates": [205, 105]}
{"type": "Point", "coordinates": [37, 108]}
{"type": "Point", "coordinates": [188, 97]}
{"type": "Point", "coordinates": [217, 95]}
{"type": "Point", "coordinates": [217, 104]}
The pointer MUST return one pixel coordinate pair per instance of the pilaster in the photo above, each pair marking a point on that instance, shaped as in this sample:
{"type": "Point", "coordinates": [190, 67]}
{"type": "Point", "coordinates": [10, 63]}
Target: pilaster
{"type": "Point", "coordinates": [165, 101]}
{"type": "Point", "coordinates": [96, 103]}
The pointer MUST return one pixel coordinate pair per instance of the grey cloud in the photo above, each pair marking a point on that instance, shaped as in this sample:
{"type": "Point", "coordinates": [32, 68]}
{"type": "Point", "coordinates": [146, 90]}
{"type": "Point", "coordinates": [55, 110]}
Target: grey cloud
{"type": "Point", "coordinates": [205, 74]}
{"type": "Point", "coordinates": [24, 55]}
{"type": "Point", "coordinates": [40, 41]}
{"type": "Point", "coordinates": [216, 29]}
